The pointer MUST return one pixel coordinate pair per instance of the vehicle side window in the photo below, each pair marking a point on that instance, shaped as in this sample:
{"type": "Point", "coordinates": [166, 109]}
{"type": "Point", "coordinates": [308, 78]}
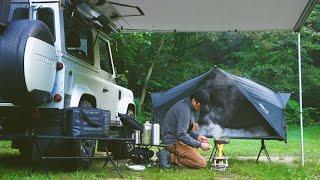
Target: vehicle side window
{"type": "Point", "coordinates": [46, 16]}
{"type": "Point", "coordinates": [105, 61]}
{"type": "Point", "coordinates": [20, 13]}
{"type": "Point", "coordinates": [79, 38]}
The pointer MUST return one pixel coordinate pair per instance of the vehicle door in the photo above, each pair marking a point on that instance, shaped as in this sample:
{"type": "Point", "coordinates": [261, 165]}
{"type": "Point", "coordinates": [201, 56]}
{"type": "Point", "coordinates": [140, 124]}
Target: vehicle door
{"type": "Point", "coordinates": [109, 96]}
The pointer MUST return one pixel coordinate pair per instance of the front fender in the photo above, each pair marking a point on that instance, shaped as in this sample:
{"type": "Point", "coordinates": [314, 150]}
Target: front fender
{"type": "Point", "coordinates": [77, 92]}
{"type": "Point", "coordinates": [126, 99]}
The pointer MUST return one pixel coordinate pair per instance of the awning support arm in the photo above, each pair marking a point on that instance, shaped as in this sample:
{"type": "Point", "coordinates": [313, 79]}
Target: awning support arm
{"type": "Point", "coordinates": [300, 100]}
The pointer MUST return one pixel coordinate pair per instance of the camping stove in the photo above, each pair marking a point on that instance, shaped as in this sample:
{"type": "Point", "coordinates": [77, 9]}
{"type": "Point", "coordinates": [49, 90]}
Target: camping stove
{"type": "Point", "coordinates": [220, 162]}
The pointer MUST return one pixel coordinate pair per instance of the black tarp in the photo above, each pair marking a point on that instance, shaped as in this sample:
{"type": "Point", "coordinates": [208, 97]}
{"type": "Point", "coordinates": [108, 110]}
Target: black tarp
{"type": "Point", "coordinates": [239, 107]}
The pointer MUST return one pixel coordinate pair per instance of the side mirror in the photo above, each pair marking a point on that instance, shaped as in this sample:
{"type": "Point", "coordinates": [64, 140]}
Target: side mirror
{"type": "Point", "coordinates": [120, 66]}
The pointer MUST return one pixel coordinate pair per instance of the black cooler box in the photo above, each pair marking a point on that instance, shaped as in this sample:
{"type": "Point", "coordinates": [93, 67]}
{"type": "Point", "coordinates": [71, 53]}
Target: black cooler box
{"type": "Point", "coordinates": [87, 122]}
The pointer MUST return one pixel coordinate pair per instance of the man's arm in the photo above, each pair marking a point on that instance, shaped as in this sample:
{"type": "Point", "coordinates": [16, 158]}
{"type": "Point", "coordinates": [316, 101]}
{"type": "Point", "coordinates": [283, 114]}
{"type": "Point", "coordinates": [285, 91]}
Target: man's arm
{"type": "Point", "coordinates": [183, 117]}
{"type": "Point", "coordinates": [194, 134]}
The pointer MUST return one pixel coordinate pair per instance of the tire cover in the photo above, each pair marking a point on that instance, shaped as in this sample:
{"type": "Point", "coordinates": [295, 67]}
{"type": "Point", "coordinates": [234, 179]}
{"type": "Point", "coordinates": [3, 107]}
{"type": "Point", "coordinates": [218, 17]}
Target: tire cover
{"type": "Point", "coordinates": [12, 49]}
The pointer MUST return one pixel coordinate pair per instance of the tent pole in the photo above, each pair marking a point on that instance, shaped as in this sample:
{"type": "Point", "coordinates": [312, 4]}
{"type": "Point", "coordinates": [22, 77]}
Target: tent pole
{"type": "Point", "coordinates": [300, 100]}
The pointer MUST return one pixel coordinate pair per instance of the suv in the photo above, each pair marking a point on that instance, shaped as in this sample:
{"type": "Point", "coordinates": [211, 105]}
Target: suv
{"type": "Point", "coordinates": [55, 55]}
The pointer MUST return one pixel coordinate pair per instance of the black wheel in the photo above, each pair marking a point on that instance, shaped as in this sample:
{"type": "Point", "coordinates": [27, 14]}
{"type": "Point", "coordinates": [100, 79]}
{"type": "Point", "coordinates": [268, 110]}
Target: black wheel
{"type": "Point", "coordinates": [130, 112]}
{"type": "Point", "coordinates": [84, 148]}
{"type": "Point", "coordinates": [129, 147]}
{"type": "Point", "coordinates": [26, 150]}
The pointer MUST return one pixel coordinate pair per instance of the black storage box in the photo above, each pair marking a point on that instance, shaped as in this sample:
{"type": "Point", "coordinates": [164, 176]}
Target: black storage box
{"type": "Point", "coordinates": [87, 122]}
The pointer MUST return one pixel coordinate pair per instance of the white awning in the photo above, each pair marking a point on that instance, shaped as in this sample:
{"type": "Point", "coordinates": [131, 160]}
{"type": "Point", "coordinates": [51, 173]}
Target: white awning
{"type": "Point", "coordinates": [212, 15]}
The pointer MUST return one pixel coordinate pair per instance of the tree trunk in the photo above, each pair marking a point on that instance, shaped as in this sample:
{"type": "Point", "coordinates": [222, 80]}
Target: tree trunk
{"type": "Point", "coordinates": [144, 90]}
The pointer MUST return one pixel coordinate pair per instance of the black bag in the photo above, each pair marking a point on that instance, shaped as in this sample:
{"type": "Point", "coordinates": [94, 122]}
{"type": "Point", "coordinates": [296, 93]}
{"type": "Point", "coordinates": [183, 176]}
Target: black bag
{"type": "Point", "coordinates": [130, 123]}
{"type": "Point", "coordinates": [141, 155]}
{"type": "Point", "coordinates": [87, 122]}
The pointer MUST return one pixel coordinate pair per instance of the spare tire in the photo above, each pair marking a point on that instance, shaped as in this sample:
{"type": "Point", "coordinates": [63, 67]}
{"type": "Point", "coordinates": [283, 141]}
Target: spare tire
{"type": "Point", "coordinates": [27, 63]}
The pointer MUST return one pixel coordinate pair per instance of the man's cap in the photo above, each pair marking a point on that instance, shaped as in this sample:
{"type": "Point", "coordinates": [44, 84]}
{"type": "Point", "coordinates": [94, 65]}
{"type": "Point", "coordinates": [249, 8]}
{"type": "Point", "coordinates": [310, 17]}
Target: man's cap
{"type": "Point", "coordinates": [202, 96]}
{"type": "Point", "coordinates": [204, 108]}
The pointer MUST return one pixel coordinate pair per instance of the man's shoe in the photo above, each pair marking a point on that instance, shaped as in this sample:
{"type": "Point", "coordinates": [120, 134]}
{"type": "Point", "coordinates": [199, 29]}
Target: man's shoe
{"type": "Point", "coordinates": [164, 158]}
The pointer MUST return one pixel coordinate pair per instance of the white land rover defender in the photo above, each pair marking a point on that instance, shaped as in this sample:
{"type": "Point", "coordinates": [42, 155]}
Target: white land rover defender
{"type": "Point", "coordinates": [55, 54]}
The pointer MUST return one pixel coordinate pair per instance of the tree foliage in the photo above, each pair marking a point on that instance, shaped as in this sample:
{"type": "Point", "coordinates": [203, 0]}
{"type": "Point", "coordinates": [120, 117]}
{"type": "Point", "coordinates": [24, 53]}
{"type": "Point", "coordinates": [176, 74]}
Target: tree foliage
{"type": "Point", "coordinates": [269, 58]}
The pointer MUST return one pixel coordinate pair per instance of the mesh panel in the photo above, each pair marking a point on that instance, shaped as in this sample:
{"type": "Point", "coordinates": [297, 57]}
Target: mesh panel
{"type": "Point", "coordinates": [4, 11]}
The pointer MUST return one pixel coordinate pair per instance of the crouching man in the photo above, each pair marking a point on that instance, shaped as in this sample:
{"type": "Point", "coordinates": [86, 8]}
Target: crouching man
{"type": "Point", "coordinates": [182, 139]}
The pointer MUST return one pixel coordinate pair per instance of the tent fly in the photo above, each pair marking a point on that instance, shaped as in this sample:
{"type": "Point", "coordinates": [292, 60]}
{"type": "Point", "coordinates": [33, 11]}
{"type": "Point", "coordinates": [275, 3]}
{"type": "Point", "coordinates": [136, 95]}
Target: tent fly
{"type": "Point", "coordinates": [239, 107]}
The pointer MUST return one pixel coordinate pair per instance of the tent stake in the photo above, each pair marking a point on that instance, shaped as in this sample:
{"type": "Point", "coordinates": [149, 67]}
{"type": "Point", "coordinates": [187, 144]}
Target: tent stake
{"type": "Point", "coordinates": [300, 100]}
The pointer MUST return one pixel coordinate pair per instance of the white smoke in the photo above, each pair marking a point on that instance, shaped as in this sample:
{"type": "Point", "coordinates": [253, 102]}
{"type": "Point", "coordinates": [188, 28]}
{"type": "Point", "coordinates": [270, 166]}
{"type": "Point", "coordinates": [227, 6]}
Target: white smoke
{"type": "Point", "coordinates": [216, 131]}
{"type": "Point", "coordinates": [211, 130]}
{"type": "Point", "coordinates": [213, 127]}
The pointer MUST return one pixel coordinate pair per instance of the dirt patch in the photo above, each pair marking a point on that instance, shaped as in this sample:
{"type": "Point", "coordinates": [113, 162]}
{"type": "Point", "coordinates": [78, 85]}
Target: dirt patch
{"type": "Point", "coordinates": [276, 159]}
{"type": "Point", "coordinates": [227, 177]}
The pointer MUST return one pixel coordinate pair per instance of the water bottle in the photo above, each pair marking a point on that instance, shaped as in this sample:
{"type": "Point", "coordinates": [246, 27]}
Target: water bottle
{"type": "Point", "coordinates": [155, 134]}
{"type": "Point", "coordinates": [146, 136]}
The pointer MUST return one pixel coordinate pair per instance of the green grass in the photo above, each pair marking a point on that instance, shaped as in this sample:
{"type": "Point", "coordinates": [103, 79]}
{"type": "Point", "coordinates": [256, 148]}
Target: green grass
{"type": "Point", "coordinates": [11, 167]}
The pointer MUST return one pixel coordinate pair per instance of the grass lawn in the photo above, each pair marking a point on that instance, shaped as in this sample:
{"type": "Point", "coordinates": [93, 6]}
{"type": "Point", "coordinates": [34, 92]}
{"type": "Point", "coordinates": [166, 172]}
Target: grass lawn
{"type": "Point", "coordinates": [13, 168]}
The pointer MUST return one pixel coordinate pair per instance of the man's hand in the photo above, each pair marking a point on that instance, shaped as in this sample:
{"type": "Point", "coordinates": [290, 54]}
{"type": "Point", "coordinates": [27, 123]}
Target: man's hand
{"type": "Point", "coordinates": [195, 127]}
{"type": "Point", "coordinates": [205, 146]}
{"type": "Point", "coordinates": [203, 139]}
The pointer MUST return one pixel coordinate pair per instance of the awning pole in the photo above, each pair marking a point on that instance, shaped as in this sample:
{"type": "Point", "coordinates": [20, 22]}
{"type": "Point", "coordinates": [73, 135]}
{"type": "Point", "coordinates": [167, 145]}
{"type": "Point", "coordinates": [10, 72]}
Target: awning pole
{"type": "Point", "coordinates": [300, 100]}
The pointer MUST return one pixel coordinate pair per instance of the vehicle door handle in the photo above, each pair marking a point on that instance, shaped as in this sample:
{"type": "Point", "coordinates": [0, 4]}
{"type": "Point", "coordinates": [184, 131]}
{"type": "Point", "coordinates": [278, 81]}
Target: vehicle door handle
{"type": "Point", "coordinates": [105, 90]}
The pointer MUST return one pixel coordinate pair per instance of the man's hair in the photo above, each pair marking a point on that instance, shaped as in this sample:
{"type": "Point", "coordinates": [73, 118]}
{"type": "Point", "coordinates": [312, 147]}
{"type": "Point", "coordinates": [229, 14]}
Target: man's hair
{"type": "Point", "coordinates": [200, 96]}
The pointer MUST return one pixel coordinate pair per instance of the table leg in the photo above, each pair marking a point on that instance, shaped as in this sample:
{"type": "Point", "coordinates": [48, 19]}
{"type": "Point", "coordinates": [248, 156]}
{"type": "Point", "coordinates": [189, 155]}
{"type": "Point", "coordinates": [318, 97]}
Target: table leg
{"type": "Point", "coordinates": [112, 161]}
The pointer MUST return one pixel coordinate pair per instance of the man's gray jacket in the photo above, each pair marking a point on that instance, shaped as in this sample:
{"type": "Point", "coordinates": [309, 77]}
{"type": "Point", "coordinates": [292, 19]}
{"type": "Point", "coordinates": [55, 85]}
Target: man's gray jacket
{"type": "Point", "coordinates": [176, 124]}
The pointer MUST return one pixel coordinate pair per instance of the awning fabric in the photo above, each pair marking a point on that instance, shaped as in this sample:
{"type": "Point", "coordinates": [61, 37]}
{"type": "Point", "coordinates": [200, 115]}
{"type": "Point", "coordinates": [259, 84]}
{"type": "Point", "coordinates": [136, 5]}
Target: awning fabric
{"type": "Point", "coordinates": [212, 15]}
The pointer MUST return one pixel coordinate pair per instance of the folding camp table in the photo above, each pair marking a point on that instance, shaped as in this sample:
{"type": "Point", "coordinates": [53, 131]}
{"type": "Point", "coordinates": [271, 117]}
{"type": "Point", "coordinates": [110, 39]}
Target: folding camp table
{"type": "Point", "coordinates": [44, 154]}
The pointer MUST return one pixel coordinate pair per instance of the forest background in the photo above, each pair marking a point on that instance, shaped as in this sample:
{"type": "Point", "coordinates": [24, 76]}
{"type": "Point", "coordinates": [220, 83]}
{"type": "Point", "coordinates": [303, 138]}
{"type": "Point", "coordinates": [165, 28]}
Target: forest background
{"type": "Point", "coordinates": [156, 62]}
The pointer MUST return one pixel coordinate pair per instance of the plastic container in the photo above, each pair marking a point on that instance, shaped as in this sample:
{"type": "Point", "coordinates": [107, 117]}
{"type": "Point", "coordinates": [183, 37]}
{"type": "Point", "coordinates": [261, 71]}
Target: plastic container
{"type": "Point", "coordinates": [146, 136]}
{"type": "Point", "coordinates": [155, 134]}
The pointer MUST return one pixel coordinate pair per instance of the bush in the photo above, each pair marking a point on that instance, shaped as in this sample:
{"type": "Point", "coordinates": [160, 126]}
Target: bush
{"type": "Point", "coordinates": [310, 114]}
{"type": "Point", "coordinates": [142, 116]}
